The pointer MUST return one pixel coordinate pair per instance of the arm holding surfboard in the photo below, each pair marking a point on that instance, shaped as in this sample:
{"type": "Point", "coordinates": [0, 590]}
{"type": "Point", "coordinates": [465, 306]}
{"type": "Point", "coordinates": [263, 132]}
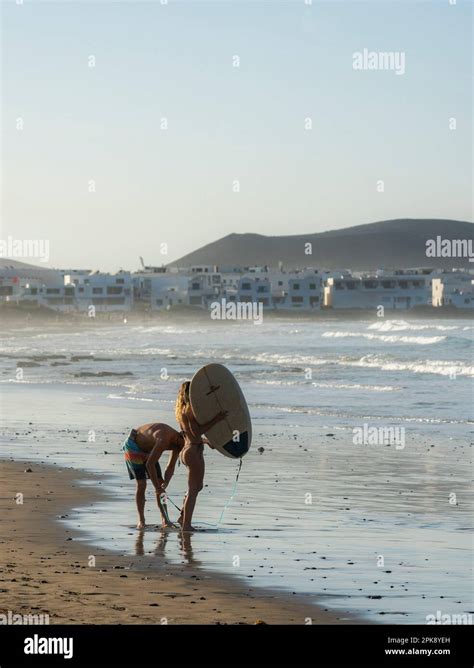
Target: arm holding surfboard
{"type": "Point", "coordinates": [203, 428]}
{"type": "Point", "coordinates": [191, 426]}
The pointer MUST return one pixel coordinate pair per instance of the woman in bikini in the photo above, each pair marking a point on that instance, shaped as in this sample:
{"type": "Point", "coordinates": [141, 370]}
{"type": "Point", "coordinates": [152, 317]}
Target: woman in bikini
{"type": "Point", "coordinates": [192, 455]}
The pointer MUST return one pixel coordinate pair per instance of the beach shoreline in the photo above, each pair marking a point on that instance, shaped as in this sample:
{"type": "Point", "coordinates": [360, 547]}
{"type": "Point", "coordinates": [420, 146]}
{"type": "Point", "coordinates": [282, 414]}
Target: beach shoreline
{"type": "Point", "coordinates": [15, 315]}
{"type": "Point", "coordinates": [49, 572]}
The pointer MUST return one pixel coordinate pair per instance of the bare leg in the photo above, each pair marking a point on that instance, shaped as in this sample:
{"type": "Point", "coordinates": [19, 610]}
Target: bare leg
{"type": "Point", "coordinates": [195, 463]}
{"type": "Point", "coordinates": [140, 499]}
{"type": "Point", "coordinates": [180, 518]}
{"type": "Point", "coordinates": [188, 510]}
{"type": "Point", "coordinates": [165, 521]}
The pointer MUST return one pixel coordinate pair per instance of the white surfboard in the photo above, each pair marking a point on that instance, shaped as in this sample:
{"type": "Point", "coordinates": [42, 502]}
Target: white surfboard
{"type": "Point", "coordinates": [213, 389]}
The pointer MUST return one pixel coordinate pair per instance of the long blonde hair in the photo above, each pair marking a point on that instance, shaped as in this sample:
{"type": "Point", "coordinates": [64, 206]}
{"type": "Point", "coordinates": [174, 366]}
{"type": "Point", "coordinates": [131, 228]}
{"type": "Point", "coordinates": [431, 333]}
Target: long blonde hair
{"type": "Point", "coordinates": [182, 400]}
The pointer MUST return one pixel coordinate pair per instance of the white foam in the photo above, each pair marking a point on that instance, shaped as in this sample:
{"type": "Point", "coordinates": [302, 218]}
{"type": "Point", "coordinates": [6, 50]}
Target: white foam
{"type": "Point", "coordinates": [120, 397]}
{"type": "Point", "coordinates": [402, 325]}
{"type": "Point", "coordinates": [358, 386]}
{"type": "Point", "coordinates": [387, 338]}
{"type": "Point", "coordinates": [440, 367]}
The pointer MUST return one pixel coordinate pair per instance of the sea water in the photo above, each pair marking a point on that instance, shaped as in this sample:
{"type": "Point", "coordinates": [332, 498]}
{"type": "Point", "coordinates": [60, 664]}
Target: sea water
{"type": "Point", "coordinates": [379, 529]}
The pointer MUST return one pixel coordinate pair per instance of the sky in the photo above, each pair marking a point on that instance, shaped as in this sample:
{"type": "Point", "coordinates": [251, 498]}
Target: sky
{"type": "Point", "coordinates": [151, 128]}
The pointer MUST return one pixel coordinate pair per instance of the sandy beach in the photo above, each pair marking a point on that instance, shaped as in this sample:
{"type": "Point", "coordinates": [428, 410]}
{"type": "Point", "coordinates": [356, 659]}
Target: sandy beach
{"type": "Point", "coordinates": [46, 571]}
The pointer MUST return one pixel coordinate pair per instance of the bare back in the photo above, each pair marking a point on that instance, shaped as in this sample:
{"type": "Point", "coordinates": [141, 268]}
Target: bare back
{"type": "Point", "coordinates": [191, 428]}
{"type": "Point", "coordinates": [148, 434]}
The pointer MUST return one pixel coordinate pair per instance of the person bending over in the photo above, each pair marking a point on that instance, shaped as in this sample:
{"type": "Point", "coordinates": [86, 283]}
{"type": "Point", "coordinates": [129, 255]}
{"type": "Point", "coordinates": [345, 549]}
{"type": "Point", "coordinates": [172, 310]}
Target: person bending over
{"type": "Point", "coordinates": [142, 451]}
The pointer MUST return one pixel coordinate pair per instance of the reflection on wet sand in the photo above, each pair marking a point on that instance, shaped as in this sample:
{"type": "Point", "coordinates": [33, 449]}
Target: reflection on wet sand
{"type": "Point", "coordinates": [184, 540]}
{"type": "Point", "coordinates": [139, 543]}
{"type": "Point", "coordinates": [160, 545]}
{"type": "Point", "coordinates": [185, 544]}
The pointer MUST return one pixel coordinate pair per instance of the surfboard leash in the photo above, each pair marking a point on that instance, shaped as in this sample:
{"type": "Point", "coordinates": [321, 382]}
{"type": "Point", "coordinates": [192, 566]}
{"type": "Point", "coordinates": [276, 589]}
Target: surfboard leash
{"type": "Point", "coordinates": [234, 489]}
{"type": "Point", "coordinates": [226, 505]}
{"type": "Point", "coordinates": [174, 504]}
{"type": "Point", "coordinates": [165, 508]}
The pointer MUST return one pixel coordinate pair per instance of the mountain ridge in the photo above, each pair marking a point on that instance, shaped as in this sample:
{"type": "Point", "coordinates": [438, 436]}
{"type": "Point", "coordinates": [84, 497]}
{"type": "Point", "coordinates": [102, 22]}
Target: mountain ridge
{"type": "Point", "coordinates": [395, 243]}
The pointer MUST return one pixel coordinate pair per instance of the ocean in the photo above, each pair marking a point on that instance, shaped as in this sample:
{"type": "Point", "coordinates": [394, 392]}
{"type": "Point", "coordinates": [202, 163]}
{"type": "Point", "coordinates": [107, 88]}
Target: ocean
{"type": "Point", "coordinates": [380, 529]}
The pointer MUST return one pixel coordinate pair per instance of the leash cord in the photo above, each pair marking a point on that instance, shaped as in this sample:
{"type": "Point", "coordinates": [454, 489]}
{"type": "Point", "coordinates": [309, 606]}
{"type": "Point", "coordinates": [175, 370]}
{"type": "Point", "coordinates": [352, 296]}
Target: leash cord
{"type": "Point", "coordinates": [226, 505]}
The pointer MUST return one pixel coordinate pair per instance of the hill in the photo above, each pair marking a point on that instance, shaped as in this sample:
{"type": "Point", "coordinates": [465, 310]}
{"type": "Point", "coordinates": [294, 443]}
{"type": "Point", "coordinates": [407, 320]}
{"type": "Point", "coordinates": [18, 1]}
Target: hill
{"type": "Point", "coordinates": [389, 244]}
{"type": "Point", "coordinates": [11, 268]}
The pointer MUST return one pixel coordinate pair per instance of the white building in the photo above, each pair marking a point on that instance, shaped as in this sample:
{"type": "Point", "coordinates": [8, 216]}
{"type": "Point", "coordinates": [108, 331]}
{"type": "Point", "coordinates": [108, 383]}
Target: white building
{"type": "Point", "coordinates": [142, 282]}
{"type": "Point", "coordinates": [204, 288]}
{"type": "Point", "coordinates": [278, 279]}
{"type": "Point", "coordinates": [168, 291]}
{"type": "Point", "coordinates": [398, 290]}
{"type": "Point", "coordinates": [462, 299]}
{"type": "Point", "coordinates": [10, 288]}
{"type": "Point", "coordinates": [203, 269]}
{"type": "Point", "coordinates": [75, 273]}
{"type": "Point", "coordinates": [448, 286]}
{"type": "Point", "coordinates": [298, 290]}
{"type": "Point", "coordinates": [280, 286]}
{"type": "Point", "coordinates": [105, 292]}
{"type": "Point", "coordinates": [305, 292]}
{"type": "Point", "coordinates": [230, 280]}
{"type": "Point", "coordinates": [55, 296]}
{"type": "Point", "coordinates": [255, 288]}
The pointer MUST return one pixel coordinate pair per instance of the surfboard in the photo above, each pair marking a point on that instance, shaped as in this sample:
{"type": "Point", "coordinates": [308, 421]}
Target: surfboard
{"type": "Point", "coordinates": [214, 388]}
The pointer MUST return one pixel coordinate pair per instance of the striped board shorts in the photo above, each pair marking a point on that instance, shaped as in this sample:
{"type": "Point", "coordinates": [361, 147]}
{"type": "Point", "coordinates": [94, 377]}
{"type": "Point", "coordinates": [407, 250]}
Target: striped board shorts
{"type": "Point", "coordinates": [135, 459]}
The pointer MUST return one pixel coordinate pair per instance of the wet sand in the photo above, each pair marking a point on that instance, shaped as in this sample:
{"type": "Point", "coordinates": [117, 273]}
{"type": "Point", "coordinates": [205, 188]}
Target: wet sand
{"type": "Point", "coordinates": [45, 570]}
{"type": "Point", "coordinates": [366, 501]}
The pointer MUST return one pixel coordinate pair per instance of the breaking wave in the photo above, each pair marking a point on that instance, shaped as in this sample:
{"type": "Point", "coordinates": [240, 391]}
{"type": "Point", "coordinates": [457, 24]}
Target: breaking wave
{"type": "Point", "coordinates": [387, 338]}
{"type": "Point", "coordinates": [403, 326]}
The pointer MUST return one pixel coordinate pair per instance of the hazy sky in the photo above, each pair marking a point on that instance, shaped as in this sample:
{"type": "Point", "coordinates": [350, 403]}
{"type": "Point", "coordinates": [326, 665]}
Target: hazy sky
{"type": "Point", "coordinates": [175, 61]}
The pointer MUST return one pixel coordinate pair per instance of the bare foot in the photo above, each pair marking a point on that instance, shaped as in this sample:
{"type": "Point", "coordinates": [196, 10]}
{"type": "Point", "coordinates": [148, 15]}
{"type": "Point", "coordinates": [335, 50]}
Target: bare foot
{"type": "Point", "coordinates": [188, 528]}
{"type": "Point", "coordinates": [141, 524]}
{"type": "Point", "coordinates": [167, 525]}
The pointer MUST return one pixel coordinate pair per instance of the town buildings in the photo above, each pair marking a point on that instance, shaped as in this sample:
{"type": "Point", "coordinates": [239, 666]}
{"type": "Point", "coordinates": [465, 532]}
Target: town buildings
{"type": "Point", "coordinates": [308, 289]}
